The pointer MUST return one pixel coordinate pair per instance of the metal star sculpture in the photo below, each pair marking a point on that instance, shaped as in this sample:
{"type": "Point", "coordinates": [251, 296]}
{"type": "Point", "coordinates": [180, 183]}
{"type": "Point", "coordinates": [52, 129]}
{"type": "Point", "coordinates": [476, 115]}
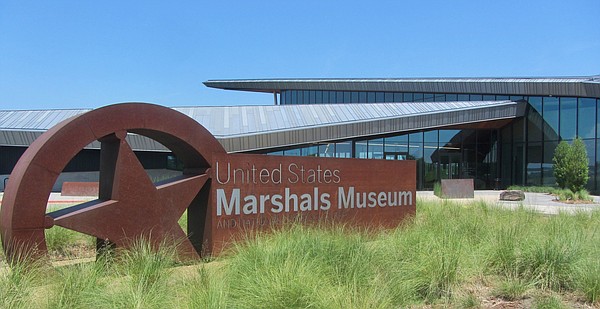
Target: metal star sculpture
{"type": "Point", "coordinates": [129, 205]}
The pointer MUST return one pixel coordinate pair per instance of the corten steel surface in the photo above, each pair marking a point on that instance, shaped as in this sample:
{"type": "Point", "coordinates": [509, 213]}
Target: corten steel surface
{"type": "Point", "coordinates": [226, 195]}
{"type": "Point", "coordinates": [384, 193]}
{"type": "Point", "coordinates": [129, 204]}
{"type": "Point", "coordinates": [458, 188]}
{"type": "Point", "coordinates": [75, 188]}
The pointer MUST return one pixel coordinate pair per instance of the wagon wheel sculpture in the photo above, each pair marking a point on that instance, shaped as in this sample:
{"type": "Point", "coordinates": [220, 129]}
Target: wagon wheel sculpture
{"type": "Point", "coordinates": [129, 205]}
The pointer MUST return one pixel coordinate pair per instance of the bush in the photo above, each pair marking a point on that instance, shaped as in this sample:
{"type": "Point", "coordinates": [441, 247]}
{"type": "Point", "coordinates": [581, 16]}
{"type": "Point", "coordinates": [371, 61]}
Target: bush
{"type": "Point", "coordinates": [571, 165]}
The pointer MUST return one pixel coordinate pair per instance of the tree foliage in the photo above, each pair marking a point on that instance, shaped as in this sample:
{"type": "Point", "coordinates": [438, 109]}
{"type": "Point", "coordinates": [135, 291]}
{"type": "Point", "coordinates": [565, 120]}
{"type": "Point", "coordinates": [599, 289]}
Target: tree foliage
{"type": "Point", "coordinates": [571, 165]}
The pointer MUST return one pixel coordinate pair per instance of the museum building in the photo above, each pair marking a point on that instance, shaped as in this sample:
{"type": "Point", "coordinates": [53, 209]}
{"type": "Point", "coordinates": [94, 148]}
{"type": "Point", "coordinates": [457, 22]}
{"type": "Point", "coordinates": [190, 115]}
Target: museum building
{"type": "Point", "coordinates": [497, 131]}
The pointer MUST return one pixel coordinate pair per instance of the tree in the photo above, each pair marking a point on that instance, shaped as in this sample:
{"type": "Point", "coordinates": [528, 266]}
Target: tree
{"type": "Point", "coordinates": [560, 160]}
{"type": "Point", "coordinates": [571, 165]}
{"type": "Point", "coordinates": [580, 170]}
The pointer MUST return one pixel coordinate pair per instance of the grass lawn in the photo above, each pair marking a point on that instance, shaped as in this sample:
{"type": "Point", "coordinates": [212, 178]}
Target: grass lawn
{"type": "Point", "coordinates": [448, 255]}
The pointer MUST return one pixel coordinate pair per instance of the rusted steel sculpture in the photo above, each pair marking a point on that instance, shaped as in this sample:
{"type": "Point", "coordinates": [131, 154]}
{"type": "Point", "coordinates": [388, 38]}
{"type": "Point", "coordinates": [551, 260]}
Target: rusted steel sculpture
{"type": "Point", "coordinates": [129, 205]}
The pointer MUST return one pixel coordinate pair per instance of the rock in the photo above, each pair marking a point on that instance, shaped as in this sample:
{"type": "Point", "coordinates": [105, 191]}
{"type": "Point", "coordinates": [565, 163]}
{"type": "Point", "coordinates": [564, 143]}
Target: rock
{"type": "Point", "coordinates": [512, 195]}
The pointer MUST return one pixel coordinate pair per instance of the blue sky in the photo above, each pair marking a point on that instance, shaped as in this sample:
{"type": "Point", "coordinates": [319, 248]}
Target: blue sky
{"type": "Point", "coordinates": [75, 54]}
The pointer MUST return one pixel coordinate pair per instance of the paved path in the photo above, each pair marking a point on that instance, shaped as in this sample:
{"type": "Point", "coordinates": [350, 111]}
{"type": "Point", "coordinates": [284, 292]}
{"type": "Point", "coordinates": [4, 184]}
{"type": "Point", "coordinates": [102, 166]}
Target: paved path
{"type": "Point", "coordinates": [540, 202]}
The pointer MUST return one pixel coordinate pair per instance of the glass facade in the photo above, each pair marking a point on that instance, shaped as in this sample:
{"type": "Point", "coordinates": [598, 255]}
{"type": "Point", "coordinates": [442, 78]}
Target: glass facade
{"type": "Point", "coordinates": [518, 153]}
{"type": "Point", "coordinates": [335, 97]}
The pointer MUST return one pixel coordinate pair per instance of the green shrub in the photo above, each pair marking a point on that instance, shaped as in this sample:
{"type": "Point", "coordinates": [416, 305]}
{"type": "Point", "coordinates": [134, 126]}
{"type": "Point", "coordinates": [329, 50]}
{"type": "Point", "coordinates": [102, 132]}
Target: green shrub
{"type": "Point", "coordinates": [571, 165]}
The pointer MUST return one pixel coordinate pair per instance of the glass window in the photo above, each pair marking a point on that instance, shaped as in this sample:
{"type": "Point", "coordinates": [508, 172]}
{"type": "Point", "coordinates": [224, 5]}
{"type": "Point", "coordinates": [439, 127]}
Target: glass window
{"type": "Point", "coordinates": [310, 151]}
{"type": "Point", "coordinates": [407, 97]}
{"type": "Point", "coordinates": [375, 149]}
{"type": "Point", "coordinates": [332, 96]}
{"type": "Point", "coordinates": [568, 118]}
{"type": "Point", "coordinates": [362, 97]}
{"type": "Point", "coordinates": [370, 97]}
{"type": "Point", "coordinates": [347, 96]}
{"type": "Point", "coordinates": [312, 97]}
{"type": "Point", "coordinates": [476, 97]}
{"type": "Point", "coordinates": [439, 97]}
{"type": "Point", "coordinates": [326, 97]}
{"type": "Point", "coordinates": [415, 137]}
{"type": "Point", "coordinates": [343, 150]}
{"type": "Point", "coordinates": [428, 97]}
{"type": "Point", "coordinates": [355, 97]}
{"type": "Point", "coordinates": [449, 138]}
{"type": "Point", "coordinates": [318, 97]}
{"type": "Point", "coordinates": [431, 137]}
{"type": "Point", "coordinates": [547, 165]}
{"type": "Point", "coordinates": [306, 97]}
{"type": "Point", "coordinates": [597, 166]}
{"type": "Point", "coordinates": [518, 97]}
{"type": "Point", "coordinates": [598, 119]}
{"type": "Point", "coordinates": [590, 146]}
{"type": "Point", "coordinates": [586, 119]}
{"type": "Point", "coordinates": [380, 97]}
{"type": "Point", "coordinates": [506, 166]}
{"type": "Point", "coordinates": [430, 165]}
{"type": "Point", "coordinates": [275, 153]}
{"type": "Point", "coordinates": [292, 152]}
{"type": "Point", "coordinates": [396, 147]}
{"type": "Point", "coordinates": [287, 97]}
{"type": "Point", "coordinates": [339, 97]}
{"type": "Point", "coordinates": [415, 152]}
{"type": "Point", "coordinates": [518, 133]}
{"type": "Point", "coordinates": [534, 163]}
{"type": "Point", "coordinates": [294, 97]}
{"type": "Point", "coordinates": [536, 103]}
{"type": "Point", "coordinates": [389, 97]}
{"type": "Point", "coordinates": [487, 97]}
{"type": "Point", "coordinates": [327, 150]}
{"type": "Point", "coordinates": [397, 97]}
{"type": "Point", "coordinates": [360, 149]}
{"type": "Point", "coordinates": [535, 124]}
{"type": "Point", "coordinates": [501, 97]}
{"type": "Point", "coordinates": [418, 97]}
{"type": "Point", "coordinates": [300, 96]}
{"type": "Point", "coordinates": [451, 97]}
{"type": "Point", "coordinates": [550, 106]}
{"type": "Point", "coordinates": [463, 97]}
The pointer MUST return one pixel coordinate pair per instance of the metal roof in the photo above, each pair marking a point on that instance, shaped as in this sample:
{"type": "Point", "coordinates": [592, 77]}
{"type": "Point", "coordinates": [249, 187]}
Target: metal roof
{"type": "Point", "coordinates": [247, 128]}
{"type": "Point", "coordinates": [587, 86]}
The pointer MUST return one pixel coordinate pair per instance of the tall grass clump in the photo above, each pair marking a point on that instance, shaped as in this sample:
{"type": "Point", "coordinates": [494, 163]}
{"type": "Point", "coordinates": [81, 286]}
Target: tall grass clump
{"type": "Point", "coordinates": [304, 267]}
{"type": "Point", "coordinates": [422, 260]}
{"type": "Point", "coordinates": [18, 282]}
{"type": "Point", "coordinates": [143, 273]}
{"type": "Point", "coordinates": [206, 290]}
{"type": "Point", "coordinates": [77, 286]}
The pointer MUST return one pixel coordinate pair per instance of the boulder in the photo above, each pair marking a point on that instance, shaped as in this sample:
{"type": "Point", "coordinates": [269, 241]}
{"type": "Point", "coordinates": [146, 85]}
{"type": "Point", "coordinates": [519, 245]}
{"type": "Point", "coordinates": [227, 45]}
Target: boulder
{"type": "Point", "coordinates": [512, 195]}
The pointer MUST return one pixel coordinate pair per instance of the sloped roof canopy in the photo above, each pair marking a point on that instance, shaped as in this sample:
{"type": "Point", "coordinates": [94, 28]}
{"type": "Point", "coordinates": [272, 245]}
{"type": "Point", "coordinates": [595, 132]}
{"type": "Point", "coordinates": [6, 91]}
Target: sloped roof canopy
{"type": "Point", "coordinates": [253, 128]}
{"type": "Point", "coordinates": [587, 86]}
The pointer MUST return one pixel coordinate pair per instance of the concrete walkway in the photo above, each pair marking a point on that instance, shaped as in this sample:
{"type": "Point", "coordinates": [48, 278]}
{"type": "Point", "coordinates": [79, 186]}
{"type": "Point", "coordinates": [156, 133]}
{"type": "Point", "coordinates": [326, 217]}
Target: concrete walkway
{"type": "Point", "coordinates": [540, 202]}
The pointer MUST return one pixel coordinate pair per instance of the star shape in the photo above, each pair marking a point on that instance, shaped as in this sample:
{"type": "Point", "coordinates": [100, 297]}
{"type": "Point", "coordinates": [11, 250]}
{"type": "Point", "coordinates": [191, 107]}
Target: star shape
{"type": "Point", "coordinates": [133, 206]}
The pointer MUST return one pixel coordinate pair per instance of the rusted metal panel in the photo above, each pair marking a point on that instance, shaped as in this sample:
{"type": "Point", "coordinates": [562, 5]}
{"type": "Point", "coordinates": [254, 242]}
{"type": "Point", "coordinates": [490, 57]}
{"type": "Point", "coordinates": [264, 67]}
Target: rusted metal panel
{"type": "Point", "coordinates": [458, 188]}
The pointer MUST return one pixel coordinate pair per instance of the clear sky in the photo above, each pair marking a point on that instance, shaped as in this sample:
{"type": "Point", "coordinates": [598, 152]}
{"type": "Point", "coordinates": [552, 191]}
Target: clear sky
{"type": "Point", "coordinates": [81, 53]}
